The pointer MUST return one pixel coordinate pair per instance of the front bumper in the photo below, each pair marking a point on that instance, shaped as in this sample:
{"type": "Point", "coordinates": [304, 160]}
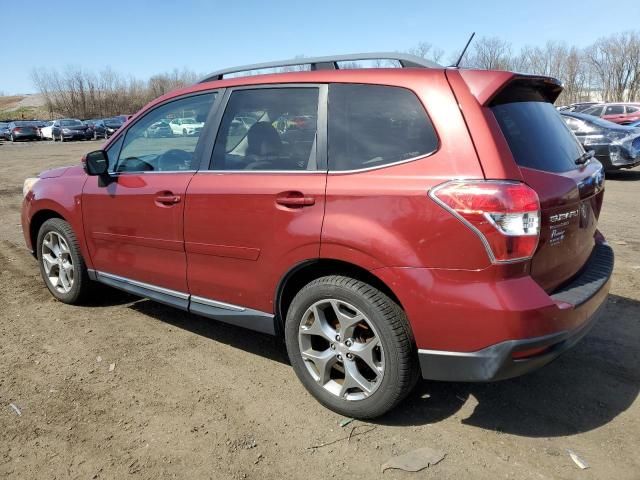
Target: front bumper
{"type": "Point", "coordinates": [584, 296]}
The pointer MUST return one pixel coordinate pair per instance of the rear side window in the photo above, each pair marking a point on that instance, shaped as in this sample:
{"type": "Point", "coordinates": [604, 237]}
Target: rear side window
{"type": "Point", "coordinates": [372, 125]}
{"type": "Point", "coordinates": [631, 109]}
{"type": "Point", "coordinates": [268, 129]}
{"type": "Point", "coordinates": [537, 136]}
{"type": "Point", "coordinates": [614, 110]}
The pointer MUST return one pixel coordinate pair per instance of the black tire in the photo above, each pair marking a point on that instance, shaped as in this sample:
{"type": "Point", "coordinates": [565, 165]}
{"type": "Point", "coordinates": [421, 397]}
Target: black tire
{"type": "Point", "coordinates": [387, 318]}
{"type": "Point", "coordinates": [82, 285]}
{"type": "Point", "coordinates": [61, 137]}
{"type": "Point", "coordinates": [13, 139]}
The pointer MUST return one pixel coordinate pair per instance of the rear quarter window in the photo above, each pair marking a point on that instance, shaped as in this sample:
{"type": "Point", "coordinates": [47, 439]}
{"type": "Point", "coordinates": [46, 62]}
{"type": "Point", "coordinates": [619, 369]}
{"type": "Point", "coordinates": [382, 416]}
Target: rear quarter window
{"type": "Point", "coordinates": [537, 136]}
{"type": "Point", "coordinates": [373, 125]}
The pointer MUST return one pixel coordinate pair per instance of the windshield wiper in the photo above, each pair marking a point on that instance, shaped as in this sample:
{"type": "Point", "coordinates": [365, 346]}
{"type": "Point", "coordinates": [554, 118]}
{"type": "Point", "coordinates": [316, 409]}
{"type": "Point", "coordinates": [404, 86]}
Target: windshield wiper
{"type": "Point", "coordinates": [585, 157]}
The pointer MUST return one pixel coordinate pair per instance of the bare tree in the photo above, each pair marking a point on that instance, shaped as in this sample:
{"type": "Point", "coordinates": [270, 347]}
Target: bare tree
{"type": "Point", "coordinates": [490, 53]}
{"type": "Point", "coordinates": [427, 51]}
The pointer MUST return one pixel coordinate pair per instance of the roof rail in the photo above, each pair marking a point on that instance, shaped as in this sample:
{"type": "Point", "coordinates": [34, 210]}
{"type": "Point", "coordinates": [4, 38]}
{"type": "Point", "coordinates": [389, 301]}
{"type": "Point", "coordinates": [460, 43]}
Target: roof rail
{"type": "Point", "coordinates": [327, 63]}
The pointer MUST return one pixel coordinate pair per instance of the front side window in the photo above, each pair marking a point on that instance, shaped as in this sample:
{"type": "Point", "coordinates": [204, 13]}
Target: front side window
{"type": "Point", "coordinates": [145, 149]}
{"type": "Point", "coordinates": [372, 125]}
{"type": "Point", "coordinates": [268, 129]}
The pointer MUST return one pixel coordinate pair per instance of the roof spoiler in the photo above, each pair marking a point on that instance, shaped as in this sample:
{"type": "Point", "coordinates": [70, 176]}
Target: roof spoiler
{"type": "Point", "coordinates": [496, 87]}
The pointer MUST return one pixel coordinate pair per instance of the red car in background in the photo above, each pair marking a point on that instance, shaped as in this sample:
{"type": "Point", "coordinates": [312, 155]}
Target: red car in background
{"type": "Point", "coordinates": [621, 113]}
{"type": "Point", "coordinates": [388, 224]}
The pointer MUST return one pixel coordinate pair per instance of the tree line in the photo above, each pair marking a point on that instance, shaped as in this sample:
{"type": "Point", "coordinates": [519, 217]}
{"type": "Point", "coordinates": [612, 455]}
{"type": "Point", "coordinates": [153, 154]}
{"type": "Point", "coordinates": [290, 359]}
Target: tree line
{"type": "Point", "coordinates": [608, 70]}
{"type": "Point", "coordinates": [77, 93]}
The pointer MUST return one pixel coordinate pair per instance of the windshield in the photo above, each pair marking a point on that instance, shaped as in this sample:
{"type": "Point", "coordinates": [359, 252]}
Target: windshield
{"type": "Point", "coordinates": [22, 124]}
{"type": "Point", "coordinates": [113, 122]}
{"type": "Point", "coordinates": [537, 136]}
{"type": "Point", "coordinates": [70, 123]}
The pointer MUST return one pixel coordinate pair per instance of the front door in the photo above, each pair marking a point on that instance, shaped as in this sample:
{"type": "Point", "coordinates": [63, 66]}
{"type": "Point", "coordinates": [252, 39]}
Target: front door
{"type": "Point", "coordinates": [258, 210]}
{"type": "Point", "coordinates": [134, 219]}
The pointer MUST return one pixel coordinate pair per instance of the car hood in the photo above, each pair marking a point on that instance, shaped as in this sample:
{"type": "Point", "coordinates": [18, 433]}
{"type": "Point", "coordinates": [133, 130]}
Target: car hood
{"type": "Point", "coordinates": [54, 172]}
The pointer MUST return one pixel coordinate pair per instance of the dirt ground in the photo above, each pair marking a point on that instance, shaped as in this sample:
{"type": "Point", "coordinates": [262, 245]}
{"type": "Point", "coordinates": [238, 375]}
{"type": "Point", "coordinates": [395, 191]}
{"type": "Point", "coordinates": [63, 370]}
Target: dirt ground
{"type": "Point", "coordinates": [193, 398]}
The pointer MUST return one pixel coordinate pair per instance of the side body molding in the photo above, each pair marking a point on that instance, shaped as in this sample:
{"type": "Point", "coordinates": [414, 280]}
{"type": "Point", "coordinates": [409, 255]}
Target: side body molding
{"type": "Point", "coordinates": [221, 311]}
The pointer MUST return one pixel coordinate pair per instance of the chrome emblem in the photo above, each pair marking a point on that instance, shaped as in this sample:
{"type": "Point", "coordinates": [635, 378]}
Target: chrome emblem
{"type": "Point", "coordinates": [564, 216]}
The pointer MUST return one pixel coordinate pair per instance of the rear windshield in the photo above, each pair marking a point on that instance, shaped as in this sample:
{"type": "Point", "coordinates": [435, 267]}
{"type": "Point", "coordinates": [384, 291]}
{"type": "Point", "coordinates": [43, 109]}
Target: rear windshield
{"type": "Point", "coordinates": [537, 136]}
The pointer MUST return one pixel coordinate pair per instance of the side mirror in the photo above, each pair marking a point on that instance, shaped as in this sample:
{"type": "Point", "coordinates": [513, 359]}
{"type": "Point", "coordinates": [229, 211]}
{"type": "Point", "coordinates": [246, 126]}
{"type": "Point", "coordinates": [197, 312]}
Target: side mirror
{"type": "Point", "coordinates": [96, 163]}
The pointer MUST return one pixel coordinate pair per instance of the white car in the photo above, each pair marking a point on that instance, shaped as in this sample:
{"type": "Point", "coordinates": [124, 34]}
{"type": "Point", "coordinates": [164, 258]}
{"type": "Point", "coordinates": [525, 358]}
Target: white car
{"type": "Point", "coordinates": [47, 131]}
{"type": "Point", "coordinates": [185, 126]}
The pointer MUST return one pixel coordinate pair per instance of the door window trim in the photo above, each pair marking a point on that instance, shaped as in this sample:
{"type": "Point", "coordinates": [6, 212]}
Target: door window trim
{"type": "Point", "coordinates": [321, 130]}
{"type": "Point", "coordinates": [197, 153]}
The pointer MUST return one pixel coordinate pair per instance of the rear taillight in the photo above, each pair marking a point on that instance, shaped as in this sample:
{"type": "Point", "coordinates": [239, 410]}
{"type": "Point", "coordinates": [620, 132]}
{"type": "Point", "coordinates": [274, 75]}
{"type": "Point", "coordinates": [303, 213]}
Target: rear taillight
{"type": "Point", "coordinates": [504, 214]}
{"type": "Point", "coordinates": [17, 129]}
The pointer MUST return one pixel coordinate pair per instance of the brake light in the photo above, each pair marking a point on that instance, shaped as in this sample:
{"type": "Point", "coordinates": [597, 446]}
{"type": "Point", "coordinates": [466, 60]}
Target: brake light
{"type": "Point", "coordinates": [504, 214]}
{"type": "Point", "coordinates": [17, 129]}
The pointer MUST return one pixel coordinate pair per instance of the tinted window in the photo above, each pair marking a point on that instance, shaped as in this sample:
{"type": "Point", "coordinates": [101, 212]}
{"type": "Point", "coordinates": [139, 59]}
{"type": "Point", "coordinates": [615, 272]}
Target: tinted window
{"type": "Point", "coordinates": [632, 109]}
{"type": "Point", "coordinates": [614, 110]}
{"type": "Point", "coordinates": [537, 136]}
{"type": "Point", "coordinates": [595, 111]}
{"type": "Point", "coordinates": [268, 129]}
{"type": "Point", "coordinates": [371, 125]}
{"type": "Point", "coordinates": [142, 150]}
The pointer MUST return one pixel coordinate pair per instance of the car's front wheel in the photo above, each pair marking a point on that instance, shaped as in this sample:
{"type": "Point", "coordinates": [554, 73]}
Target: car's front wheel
{"type": "Point", "coordinates": [351, 346]}
{"type": "Point", "coordinates": [61, 264]}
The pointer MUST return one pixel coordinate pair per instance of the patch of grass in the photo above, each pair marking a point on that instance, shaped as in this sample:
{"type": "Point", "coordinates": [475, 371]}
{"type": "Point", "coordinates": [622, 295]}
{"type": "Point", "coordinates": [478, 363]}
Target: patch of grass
{"type": "Point", "coordinates": [27, 113]}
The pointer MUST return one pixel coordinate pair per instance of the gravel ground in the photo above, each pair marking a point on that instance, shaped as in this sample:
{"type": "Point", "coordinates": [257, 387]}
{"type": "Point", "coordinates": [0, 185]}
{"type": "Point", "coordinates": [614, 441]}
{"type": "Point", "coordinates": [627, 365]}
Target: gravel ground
{"type": "Point", "coordinates": [130, 388]}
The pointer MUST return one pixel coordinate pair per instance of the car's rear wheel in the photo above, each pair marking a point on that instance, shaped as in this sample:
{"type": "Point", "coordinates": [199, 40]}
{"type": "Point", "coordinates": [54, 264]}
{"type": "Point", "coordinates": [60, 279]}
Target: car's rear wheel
{"type": "Point", "coordinates": [13, 139]}
{"type": "Point", "coordinates": [184, 132]}
{"type": "Point", "coordinates": [351, 346]}
{"type": "Point", "coordinates": [61, 264]}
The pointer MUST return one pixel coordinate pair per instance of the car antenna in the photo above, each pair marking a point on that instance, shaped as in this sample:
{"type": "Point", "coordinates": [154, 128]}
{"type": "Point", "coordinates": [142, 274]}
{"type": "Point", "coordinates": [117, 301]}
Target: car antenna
{"type": "Point", "coordinates": [464, 50]}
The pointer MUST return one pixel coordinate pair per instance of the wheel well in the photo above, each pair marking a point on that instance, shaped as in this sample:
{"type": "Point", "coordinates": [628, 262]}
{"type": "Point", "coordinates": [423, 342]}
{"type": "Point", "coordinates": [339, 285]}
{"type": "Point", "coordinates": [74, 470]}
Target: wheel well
{"type": "Point", "coordinates": [36, 222]}
{"type": "Point", "coordinates": [306, 272]}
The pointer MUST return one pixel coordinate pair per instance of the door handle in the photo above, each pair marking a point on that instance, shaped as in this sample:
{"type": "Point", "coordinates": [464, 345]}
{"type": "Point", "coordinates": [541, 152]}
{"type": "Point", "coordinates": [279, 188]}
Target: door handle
{"type": "Point", "coordinates": [168, 199]}
{"type": "Point", "coordinates": [295, 200]}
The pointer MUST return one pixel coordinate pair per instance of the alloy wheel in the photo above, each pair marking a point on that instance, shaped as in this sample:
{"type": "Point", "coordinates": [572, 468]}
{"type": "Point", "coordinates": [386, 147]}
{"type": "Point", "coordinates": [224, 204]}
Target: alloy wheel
{"type": "Point", "coordinates": [57, 262]}
{"type": "Point", "coordinates": [341, 349]}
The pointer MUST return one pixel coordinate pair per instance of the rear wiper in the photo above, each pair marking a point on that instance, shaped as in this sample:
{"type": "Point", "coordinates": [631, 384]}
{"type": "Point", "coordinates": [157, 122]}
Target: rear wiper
{"type": "Point", "coordinates": [585, 157]}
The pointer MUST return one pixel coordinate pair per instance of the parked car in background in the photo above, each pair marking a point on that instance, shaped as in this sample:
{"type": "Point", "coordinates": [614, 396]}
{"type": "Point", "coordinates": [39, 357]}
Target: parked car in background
{"type": "Point", "coordinates": [96, 128]}
{"type": "Point", "coordinates": [615, 146]}
{"type": "Point", "coordinates": [423, 221]}
{"type": "Point", "coordinates": [4, 131]}
{"type": "Point", "coordinates": [23, 130]}
{"type": "Point", "coordinates": [186, 126]}
{"type": "Point", "coordinates": [622, 113]}
{"type": "Point", "coordinates": [111, 125]}
{"type": "Point", "coordinates": [70, 129]}
{"type": "Point", "coordinates": [159, 129]}
{"type": "Point", "coordinates": [46, 132]}
{"type": "Point", "coordinates": [577, 107]}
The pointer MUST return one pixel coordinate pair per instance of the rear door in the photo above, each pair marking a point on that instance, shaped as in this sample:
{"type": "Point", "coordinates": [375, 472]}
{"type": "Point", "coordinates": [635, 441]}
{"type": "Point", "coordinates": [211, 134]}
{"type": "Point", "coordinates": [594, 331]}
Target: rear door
{"type": "Point", "coordinates": [614, 113]}
{"type": "Point", "coordinates": [134, 219]}
{"type": "Point", "coordinates": [570, 192]}
{"type": "Point", "coordinates": [258, 210]}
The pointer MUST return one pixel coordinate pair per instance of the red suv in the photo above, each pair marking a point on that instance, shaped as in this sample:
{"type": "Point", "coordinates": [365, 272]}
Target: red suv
{"type": "Point", "coordinates": [387, 223]}
{"type": "Point", "coordinates": [622, 113]}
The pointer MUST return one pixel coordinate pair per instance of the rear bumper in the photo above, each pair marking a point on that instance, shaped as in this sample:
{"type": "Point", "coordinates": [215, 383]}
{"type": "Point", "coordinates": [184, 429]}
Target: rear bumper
{"type": "Point", "coordinates": [583, 297]}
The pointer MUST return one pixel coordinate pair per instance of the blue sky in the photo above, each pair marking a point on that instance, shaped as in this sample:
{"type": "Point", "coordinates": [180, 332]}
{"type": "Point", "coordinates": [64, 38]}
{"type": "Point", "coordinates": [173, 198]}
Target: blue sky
{"type": "Point", "coordinates": [143, 37]}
